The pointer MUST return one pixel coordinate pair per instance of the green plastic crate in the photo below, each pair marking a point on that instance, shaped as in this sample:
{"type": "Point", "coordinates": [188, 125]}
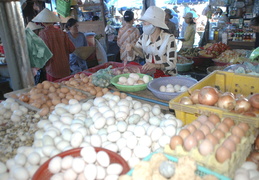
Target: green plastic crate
{"type": "Point", "coordinates": [63, 7]}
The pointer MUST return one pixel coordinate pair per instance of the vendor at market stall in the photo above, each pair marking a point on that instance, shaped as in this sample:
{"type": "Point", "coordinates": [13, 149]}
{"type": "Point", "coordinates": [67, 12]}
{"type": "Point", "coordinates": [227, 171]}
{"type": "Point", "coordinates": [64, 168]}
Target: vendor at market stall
{"type": "Point", "coordinates": [155, 45]}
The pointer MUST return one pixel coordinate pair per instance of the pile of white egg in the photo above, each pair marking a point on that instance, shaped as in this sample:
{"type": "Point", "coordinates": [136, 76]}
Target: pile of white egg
{"type": "Point", "coordinates": [89, 165]}
{"type": "Point", "coordinates": [172, 88]}
{"type": "Point", "coordinates": [133, 79]}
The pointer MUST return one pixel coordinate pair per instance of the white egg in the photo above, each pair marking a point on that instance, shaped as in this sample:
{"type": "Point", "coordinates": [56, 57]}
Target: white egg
{"type": "Point", "coordinates": [146, 78]}
{"type": "Point", "coordinates": [139, 131]}
{"type": "Point", "coordinates": [133, 161]}
{"type": "Point", "coordinates": [170, 89]}
{"type": "Point", "coordinates": [78, 165]}
{"type": "Point", "coordinates": [61, 145]}
{"type": "Point", "coordinates": [141, 151]}
{"type": "Point", "coordinates": [134, 119]}
{"type": "Point", "coordinates": [69, 174]}
{"type": "Point", "coordinates": [156, 110]}
{"type": "Point", "coordinates": [170, 130]}
{"type": "Point", "coordinates": [76, 139]}
{"type": "Point", "coordinates": [96, 140]}
{"type": "Point", "coordinates": [101, 172]}
{"type": "Point", "coordinates": [89, 154]}
{"type": "Point", "coordinates": [34, 158]}
{"type": "Point", "coordinates": [103, 158]}
{"type": "Point", "coordinates": [100, 122]}
{"type": "Point", "coordinates": [121, 143]}
{"type": "Point", "coordinates": [32, 170]}
{"type": "Point", "coordinates": [164, 140]}
{"type": "Point", "coordinates": [20, 159]}
{"type": "Point", "coordinates": [162, 88]}
{"type": "Point", "coordinates": [145, 141]}
{"type": "Point", "coordinates": [249, 165]}
{"type": "Point", "coordinates": [58, 176]}
{"type": "Point", "coordinates": [177, 88]}
{"type": "Point", "coordinates": [184, 88]}
{"type": "Point", "coordinates": [156, 134]}
{"type": "Point", "coordinates": [253, 173]}
{"type": "Point", "coordinates": [114, 136]}
{"type": "Point", "coordinates": [112, 147]}
{"type": "Point", "coordinates": [66, 162]}
{"type": "Point", "coordinates": [3, 168]}
{"type": "Point", "coordinates": [110, 121]}
{"type": "Point", "coordinates": [126, 153]}
{"type": "Point", "coordinates": [130, 81]}
{"type": "Point", "coordinates": [21, 173]}
{"type": "Point", "coordinates": [90, 171]}
{"type": "Point", "coordinates": [169, 86]}
{"type": "Point", "coordinates": [127, 134]}
{"type": "Point", "coordinates": [122, 126]}
{"type": "Point", "coordinates": [121, 116]}
{"type": "Point", "coordinates": [109, 114]}
{"type": "Point", "coordinates": [114, 169]}
{"type": "Point", "coordinates": [132, 142]}
{"type": "Point", "coordinates": [140, 112]}
{"type": "Point", "coordinates": [55, 165]}
{"type": "Point", "coordinates": [122, 79]}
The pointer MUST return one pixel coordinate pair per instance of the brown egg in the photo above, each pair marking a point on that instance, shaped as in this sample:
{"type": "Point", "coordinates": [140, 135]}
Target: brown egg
{"type": "Point", "coordinates": [105, 90]}
{"type": "Point", "coordinates": [243, 126]}
{"type": "Point", "coordinates": [82, 75]}
{"type": "Point", "coordinates": [190, 142]}
{"type": "Point", "coordinates": [56, 101]}
{"type": "Point", "coordinates": [52, 89]}
{"type": "Point", "coordinates": [44, 111]}
{"type": "Point", "coordinates": [93, 92]}
{"type": "Point", "coordinates": [123, 95]}
{"type": "Point", "coordinates": [140, 82]}
{"type": "Point", "coordinates": [223, 127]}
{"type": "Point", "coordinates": [223, 154]}
{"type": "Point", "coordinates": [206, 147]}
{"type": "Point", "coordinates": [64, 90]}
{"type": "Point", "coordinates": [214, 119]}
{"type": "Point", "coordinates": [73, 92]}
{"type": "Point", "coordinates": [196, 123]}
{"type": "Point", "coordinates": [116, 93]}
{"type": "Point", "coordinates": [97, 88]}
{"type": "Point", "coordinates": [99, 94]}
{"type": "Point", "coordinates": [229, 121]}
{"type": "Point", "coordinates": [36, 105]}
{"type": "Point", "coordinates": [78, 97]}
{"type": "Point", "coordinates": [205, 129]}
{"type": "Point", "coordinates": [62, 95]}
{"type": "Point", "coordinates": [212, 139]}
{"type": "Point", "coordinates": [184, 133]}
{"type": "Point", "coordinates": [234, 138]}
{"type": "Point", "coordinates": [45, 91]}
{"type": "Point", "coordinates": [46, 84]}
{"type": "Point", "coordinates": [64, 100]}
{"type": "Point", "coordinates": [39, 86]}
{"type": "Point", "coordinates": [24, 98]}
{"type": "Point", "coordinates": [77, 76]}
{"type": "Point", "coordinates": [191, 128]}
{"type": "Point", "coordinates": [56, 85]}
{"type": "Point", "coordinates": [218, 133]}
{"type": "Point", "coordinates": [229, 145]}
{"type": "Point", "coordinates": [49, 103]}
{"type": "Point", "coordinates": [202, 118]}
{"type": "Point", "coordinates": [210, 125]}
{"type": "Point", "coordinates": [198, 134]}
{"type": "Point", "coordinates": [238, 131]}
{"type": "Point", "coordinates": [69, 96]}
{"type": "Point", "coordinates": [176, 140]}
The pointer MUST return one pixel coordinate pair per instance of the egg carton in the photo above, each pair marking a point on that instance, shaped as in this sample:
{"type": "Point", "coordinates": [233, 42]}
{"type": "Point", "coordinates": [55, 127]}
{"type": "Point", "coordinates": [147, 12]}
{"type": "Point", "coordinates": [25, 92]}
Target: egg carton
{"type": "Point", "coordinates": [227, 168]}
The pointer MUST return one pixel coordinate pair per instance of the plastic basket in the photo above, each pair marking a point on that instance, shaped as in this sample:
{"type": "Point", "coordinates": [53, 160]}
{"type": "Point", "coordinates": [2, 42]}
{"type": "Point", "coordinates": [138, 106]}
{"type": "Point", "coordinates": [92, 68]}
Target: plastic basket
{"type": "Point", "coordinates": [155, 84]}
{"type": "Point", "coordinates": [43, 173]}
{"type": "Point", "coordinates": [63, 7]}
{"type": "Point", "coordinates": [184, 67]}
{"type": "Point", "coordinates": [128, 88]}
{"type": "Point", "coordinates": [201, 171]}
{"type": "Point", "coordinates": [226, 82]}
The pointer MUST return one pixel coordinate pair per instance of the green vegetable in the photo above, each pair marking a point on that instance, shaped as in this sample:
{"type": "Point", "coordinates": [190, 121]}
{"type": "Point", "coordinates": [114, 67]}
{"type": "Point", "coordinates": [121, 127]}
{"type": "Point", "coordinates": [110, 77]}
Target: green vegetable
{"type": "Point", "coordinates": [102, 78]}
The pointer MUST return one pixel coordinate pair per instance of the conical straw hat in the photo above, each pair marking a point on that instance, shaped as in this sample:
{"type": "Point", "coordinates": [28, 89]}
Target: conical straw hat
{"type": "Point", "coordinates": [46, 16]}
{"type": "Point", "coordinates": [33, 26]}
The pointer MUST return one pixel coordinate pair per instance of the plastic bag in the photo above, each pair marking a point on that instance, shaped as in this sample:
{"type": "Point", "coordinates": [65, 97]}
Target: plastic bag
{"type": "Point", "coordinates": [254, 56]}
{"type": "Point", "coordinates": [102, 77]}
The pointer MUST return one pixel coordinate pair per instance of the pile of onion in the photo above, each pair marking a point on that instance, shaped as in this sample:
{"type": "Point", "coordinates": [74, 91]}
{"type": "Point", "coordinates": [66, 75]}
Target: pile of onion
{"type": "Point", "coordinates": [210, 96]}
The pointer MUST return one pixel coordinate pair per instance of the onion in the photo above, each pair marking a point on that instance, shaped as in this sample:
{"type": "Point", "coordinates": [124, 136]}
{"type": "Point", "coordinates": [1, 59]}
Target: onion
{"type": "Point", "coordinates": [208, 96]}
{"type": "Point", "coordinates": [251, 114]}
{"type": "Point", "coordinates": [242, 105]}
{"type": "Point", "coordinates": [186, 100]}
{"type": "Point", "coordinates": [194, 96]}
{"type": "Point", "coordinates": [227, 101]}
{"type": "Point", "coordinates": [254, 100]}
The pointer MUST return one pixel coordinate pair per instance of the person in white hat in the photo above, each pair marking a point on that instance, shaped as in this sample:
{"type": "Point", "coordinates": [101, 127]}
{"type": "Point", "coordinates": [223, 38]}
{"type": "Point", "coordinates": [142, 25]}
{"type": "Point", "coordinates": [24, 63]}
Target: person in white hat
{"type": "Point", "coordinates": [189, 34]}
{"type": "Point", "coordinates": [36, 28]}
{"type": "Point", "coordinates": [59, 44]}
{"type": "Point", "coordinates": [155, 45]}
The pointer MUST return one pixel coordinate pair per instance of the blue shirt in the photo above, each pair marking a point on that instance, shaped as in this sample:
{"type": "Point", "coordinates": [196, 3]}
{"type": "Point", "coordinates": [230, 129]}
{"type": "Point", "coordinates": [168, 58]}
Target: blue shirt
{"type": "Point", "coordinates": [77, 64]}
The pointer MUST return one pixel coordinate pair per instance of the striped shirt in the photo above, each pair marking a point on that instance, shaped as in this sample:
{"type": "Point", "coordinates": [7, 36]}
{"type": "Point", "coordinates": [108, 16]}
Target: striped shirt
{"type": "Point", "coordinates": [60, 46]}
{"type": "Point", "coordinates": [163, 51]}
{"type": "Point", "coordinates": [127, 35]}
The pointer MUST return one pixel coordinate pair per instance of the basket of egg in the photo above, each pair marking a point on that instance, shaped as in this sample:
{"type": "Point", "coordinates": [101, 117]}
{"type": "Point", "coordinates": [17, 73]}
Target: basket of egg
{"type": "Point", "coordinates": [83, 163]}
{"type": "Point", "coordinates": [221, 144]}
{"type": "Point", "coordinates": [131, 82]}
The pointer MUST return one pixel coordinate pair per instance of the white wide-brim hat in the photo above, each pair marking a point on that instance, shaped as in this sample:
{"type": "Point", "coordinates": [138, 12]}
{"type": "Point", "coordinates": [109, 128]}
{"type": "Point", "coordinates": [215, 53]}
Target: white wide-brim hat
{"type": "Point", "coordinates": [46, 16]}
{"type": "Point", "coordinates": [155, 16]}
{"type": "Point", "coordinates": [33, 26]}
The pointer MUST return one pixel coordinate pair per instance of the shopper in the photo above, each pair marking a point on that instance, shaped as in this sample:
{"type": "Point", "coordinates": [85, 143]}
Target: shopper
{"type": "Point", "coordinates": [58, 43]}
{"type": "Point", "coordinates": [189, 34]}
{"type": "Point", "coordinates": [254, 24]}
{"type": "Point", "coordinates": [78, 38]}
{"type": "Point", "coordinates": [171, 26]}
{"type": "Point", "coordinates": [127, 35]}
{"type": "Point", "coordinates": [155, 45]}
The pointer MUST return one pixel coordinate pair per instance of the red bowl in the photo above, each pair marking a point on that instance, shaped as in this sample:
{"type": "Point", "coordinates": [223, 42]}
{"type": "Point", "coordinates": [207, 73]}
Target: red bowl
{"type": "Point", "coordinates": [43, 172]}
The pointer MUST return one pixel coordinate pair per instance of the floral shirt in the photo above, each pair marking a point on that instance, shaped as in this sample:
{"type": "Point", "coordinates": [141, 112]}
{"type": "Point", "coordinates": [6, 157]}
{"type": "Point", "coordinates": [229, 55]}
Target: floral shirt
{"type": "Point", "coordinates": [60, 46]}
{"type": "Point", "coordinates": [127, 35]}
{"type": "Point", "coordinates": [163, 51]}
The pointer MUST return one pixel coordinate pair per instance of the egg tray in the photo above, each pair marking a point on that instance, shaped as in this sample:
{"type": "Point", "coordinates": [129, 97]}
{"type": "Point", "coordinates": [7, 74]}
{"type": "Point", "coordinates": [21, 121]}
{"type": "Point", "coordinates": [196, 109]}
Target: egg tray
{"type": "Point", "coordinates": [227, 168]}
{"type": "Point", "coordinates": [33, 108]}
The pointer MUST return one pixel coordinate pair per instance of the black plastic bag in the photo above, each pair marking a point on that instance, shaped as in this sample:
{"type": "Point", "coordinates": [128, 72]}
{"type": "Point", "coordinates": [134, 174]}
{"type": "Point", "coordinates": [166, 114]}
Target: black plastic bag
{"type": "Point", "coordinates": [40, 76]}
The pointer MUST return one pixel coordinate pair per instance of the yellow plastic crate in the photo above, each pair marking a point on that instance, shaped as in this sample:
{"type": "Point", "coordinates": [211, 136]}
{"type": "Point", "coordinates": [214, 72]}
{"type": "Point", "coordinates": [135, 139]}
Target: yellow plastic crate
{"type": "Point", "coordinates": [224, 81]}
